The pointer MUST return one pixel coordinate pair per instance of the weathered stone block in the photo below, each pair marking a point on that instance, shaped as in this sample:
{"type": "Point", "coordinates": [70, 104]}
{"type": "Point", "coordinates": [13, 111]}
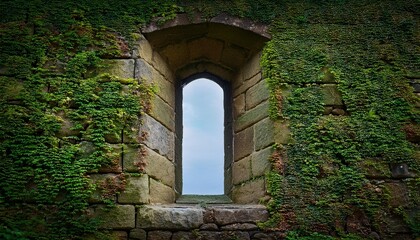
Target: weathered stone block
{"type": "Point", "coordinates": [119, 235]}
{"type": "Point", "coordinates": [115, 155]}
{"type": "Point", "coordinates": [332, 95]}
{"type": "Point", "coordinates": [398, 194]}
{"type": "Point", "coordinates": [166, 89]}
{"type": "Point", "coordinates": [240, 214]}
{"type": "Point", "coordinates": [98, 180]}
{"type": "Point", "coordinates": [123, 68]}
{"type": "Point", "coordinates": [260, 162]}
{"type": "Point", "coordinates": [241, 86]}
{"type": "Point", "coordinates": [209, 226]}
{"type": "Point", "coordinates": [250, 192]}
{"type": "Point", "coordinates": [162, 67]}
{"type": "Point", "coordinates": [159, 167]}
{"type": "Point", "coordinates": [143, 71]}
{"type": "Point", "coordinates": [241, 170]}
{"type": "Point", "coordinates": [210, 235]}
{"type": "Point", "coordinates": [178, 54]}
{"type": "Point", "coordinates": [240, 226]}
{"type": "Point", "coordinates": [375, 168]}
{"type": "Point", "coordinates": [238, 106]}
{"type": "Point", "coordinates": [133, 158]}
{"type": "Point", "coordinates": [252, 116]}
{"type": "Point", "coordinates": [234, 56]}
{"type": "Point", "coordinates": [159, 235]}
{"type": "Point", "coordinates": [160, 193]}
{"type": "Point", "coordinates": [142, 48]}
{"type": "Point", "coordinates": [138, 234]}
{"type": "Point", "coordinates": [117, 217]}
{"type": "Point", "coordinates": [184, 236]}
{"type": "Point", "coordinates": [158, 138]}
{"type": "Point", "coordinates": [282, 132]}
{"type": "Point", "coordinates": [136, 191]}
{"type": "Point", "coordinates": [257, 94]}
{"type": "Point", "coordinates": [263, 134]}
{"type": "Point", "coordinates": [252, 67]}
{"type": "Point", "coordinates": [162, 112]}
{"type": "Point", "coordinates": [168, 218]}
{"type": "Point", "coordinates": [243, 143]}
{"type": "Point", "coordinates": [212, 51]}
{"type": "Point", "coordinates": [239, 235]}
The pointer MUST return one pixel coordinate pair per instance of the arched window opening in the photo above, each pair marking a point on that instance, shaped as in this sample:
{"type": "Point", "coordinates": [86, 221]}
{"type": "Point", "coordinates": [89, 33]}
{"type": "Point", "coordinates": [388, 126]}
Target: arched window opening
{"type": "Point", "coordinates": [203, 138]}
{"type": "Point", "coordinates": [203, 142]}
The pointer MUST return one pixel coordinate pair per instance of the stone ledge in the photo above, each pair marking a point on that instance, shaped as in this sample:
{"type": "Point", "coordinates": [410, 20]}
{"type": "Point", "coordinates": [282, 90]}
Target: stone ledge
{"type": "Point", "coordinates": [189, 217]}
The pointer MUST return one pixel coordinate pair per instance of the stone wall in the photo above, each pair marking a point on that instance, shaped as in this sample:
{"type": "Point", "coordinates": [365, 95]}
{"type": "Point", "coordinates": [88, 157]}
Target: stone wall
{"type": "Point", "coordinates": [184, 222]}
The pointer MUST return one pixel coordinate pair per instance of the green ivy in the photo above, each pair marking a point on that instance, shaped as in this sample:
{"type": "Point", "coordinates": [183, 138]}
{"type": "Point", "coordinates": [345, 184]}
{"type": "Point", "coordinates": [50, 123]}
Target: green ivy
{"type": "Point", "coordinates": [322, 183]}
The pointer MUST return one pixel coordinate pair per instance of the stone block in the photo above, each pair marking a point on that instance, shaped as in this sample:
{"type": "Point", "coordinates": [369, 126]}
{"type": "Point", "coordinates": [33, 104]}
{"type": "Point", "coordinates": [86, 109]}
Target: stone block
{"type": "Point", "coordinates": [142, 48]}
{"type": "Point", "coordinates": [375, 168]}
{"type": "Point", "coordinates": [160, 193]}
{"type": "Point", "coordinates": [132, 157]}
{"type": "Point", "coordinates": [257, 94]}
{"type": "Point", "coordinates": [116, 157]}
{"type": "Point", "coordinates": [166, 89]}
{"type": "Point", "coordinates": [252, 116]}
{"type": "Point", "coordinates": [238, 106]}
{"type": "Point", "coordinates": [240, 226]}
{"type": "Point", "coordinates": [159, 138]}
{"type": "Point", "coordinates": [122, 68]}
{"type": "Point", "coordinates": [138, 234]}
{"type": "Point", "coordinates": [241, 170]}
{"type": "Point", "coordinates": [66, 125]}
{"type": "Point", "coordinates": [332, 95]}
{"type": "Point", "coordinates": [237, 235]}
{"type": "Point", "coordinates": [212, 51]}
{"type": "Point", "coordinates": [162, 67]}
{"type": "Point", "coordinates": [184, 236]}
{"type": "Point", "coordinates": [119, 235]}
{"type": "Point", "coordinates": [159, 167]}
{"type": "Point", "coordinates": [169, 218]}
{"type": "Point", "coordinates": [392, 223]}
{"type": "Point", "coordinates": [242, 86]}
{"type": "Point", "coordinates": [143, 71]}
{"type": "Point", "coordinates": [250, 192]}
{"type": "Point", "coordinates": [234, 56]}
{"type": "Point", "coordinates": [398, 194]}
{"type": "Point", "coordinates": [243, 143]}
{"type": "Point", "coordinates": [209, 226]}
{"type": "Point", "coordinates": [177, 54]}
{"type": "Point", "coordinates": [252, 67]}
{"type": "Point", "coordinates": [240, 214]}
{"type": "Point", "coordinates": [282, 132]}
{"type": "Point", "coordinates": [131, 134]}
{"type": "Point", "coordinates": [210, 235]}
{"type": "Point", "coordinates": [260, 162]}
{"type": "Point", "coordinates": [159, 235]}
{"type": "Point", "coordinates": [263, 134]}
{"type": "Point", "coordinates": [117, 217]}
{"type": "Point", "coordinates": [98, 180]}
{"type": "Point", "coordinates": [136, 191]}
{"type": "Point", "coordinates": [162, 112]}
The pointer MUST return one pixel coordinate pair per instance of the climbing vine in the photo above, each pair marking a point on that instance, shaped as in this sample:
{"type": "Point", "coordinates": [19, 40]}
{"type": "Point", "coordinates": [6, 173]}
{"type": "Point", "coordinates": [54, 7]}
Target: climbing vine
{"type": "Point", "coordinates": [57, 110]}
{"type": "Point", "coordinates": [323, 184]}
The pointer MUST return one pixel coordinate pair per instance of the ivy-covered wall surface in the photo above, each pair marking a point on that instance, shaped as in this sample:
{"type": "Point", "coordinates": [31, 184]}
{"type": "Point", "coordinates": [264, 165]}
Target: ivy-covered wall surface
{"type": "Point", "coordinates": [350, 170]}
{"type": "Point", "coordinates": [340, 173]}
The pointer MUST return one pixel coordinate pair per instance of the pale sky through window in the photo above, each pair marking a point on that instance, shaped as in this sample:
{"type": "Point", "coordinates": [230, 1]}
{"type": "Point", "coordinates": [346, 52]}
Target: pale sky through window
{"type": "Point", "coordinates": [203, 138]}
